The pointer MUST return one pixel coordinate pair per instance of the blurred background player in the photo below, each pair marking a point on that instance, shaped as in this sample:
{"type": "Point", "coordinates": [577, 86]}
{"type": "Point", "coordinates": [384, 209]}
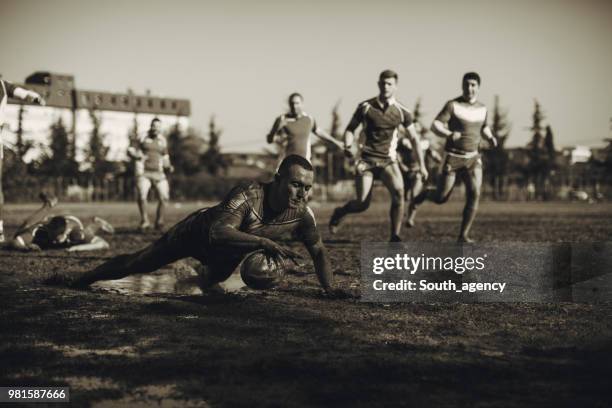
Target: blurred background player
{"type": "Point", "coordinates": [295, 127]}
{"type": "Point", "coordinates": [410, 167]}
{"type": "Point", "coordinates": [9, 90]}
{"type": "Point", "coordinates": [152, 160]}
{"type": "Point", "coordinates": [380, 118]}
{"type": "Point", "coordinates": [249, 219]}
{"type": "Point", "coordinates": [462, 121]}
{"type": "Point", "coordinates": [40, 231]}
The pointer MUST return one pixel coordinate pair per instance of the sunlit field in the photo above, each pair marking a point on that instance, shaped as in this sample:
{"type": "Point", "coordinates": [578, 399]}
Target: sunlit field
{"type": "Point", "coordinates": [161, 342]}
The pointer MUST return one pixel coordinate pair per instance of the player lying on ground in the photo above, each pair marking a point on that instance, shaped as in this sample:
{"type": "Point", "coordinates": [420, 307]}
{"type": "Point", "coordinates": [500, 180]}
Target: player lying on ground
{"type": "Point", "coordinates": [462, 121]}
{"type": "Point", "coordinates": [9, 90]}
{"type": "Point", "coordinates": [297, 126]}
{"type": "Point", "coordinates": [250, 218]}
{"type": "Point", "coordinates": [40, 231]}
{"type": "Point", "coordinates": [380, 118]}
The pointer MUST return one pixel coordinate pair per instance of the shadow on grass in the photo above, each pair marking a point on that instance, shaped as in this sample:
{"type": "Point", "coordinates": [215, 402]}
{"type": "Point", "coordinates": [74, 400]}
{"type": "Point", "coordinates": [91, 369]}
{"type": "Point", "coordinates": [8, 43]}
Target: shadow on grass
{"type": "Point", "coordinates": [269, 349]}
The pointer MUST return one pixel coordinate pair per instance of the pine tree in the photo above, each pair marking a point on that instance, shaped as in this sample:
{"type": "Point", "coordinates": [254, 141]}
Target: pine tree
{"type": "Point", "coordinates": [540, 163]}
{"type": "Point", "coordinates": [57, 162]}
{"type": "Point", "coordinates": [497, 157]}
{"type": "Point", "coordinates": [212, 159]}
{"type": "Point", "coordinates": [97, 151]}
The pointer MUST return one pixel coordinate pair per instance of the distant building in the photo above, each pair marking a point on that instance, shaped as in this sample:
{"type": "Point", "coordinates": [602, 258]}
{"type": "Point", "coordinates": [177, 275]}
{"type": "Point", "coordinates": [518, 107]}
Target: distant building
{"type": "Point", "coordinates": [118, 113]}
{"type": "Point", "coordinates": [577, 154]}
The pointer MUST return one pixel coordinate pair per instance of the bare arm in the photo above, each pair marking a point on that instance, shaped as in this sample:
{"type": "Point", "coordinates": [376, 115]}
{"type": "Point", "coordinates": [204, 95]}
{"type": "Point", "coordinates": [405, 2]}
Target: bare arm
{"type": "Point", "coordinates": [414, 139]}
{"type": "Point", "coordinates": [226, 232]}
{"type": "Point", "coordinates": [276, 127]}
{"type": "Point", "coordinates": [134, 152]}
{"type": "Point", "coordinates": [440, 129]}
{"type": "Point", "coordinates": [488, 135]}
{"type": "Point", "coordinates": [435, 155]}
{"type": "Point", "coordinates": [327, 137]}
{"type": "Point", "coordinates": [322, 266]}
{"type": "Point", "coordinates": [29, 96]}
{"type": "Point", "coordinates": [96, 244]}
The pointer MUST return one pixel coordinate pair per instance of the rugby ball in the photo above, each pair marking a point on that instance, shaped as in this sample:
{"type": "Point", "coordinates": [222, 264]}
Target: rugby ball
{"type": "Point", "coordinates": [261, 271]}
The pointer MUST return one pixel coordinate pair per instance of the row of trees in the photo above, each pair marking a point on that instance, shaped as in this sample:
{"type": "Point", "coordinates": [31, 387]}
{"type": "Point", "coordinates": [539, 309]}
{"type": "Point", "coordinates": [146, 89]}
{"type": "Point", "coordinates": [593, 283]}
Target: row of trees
{"type": "Point", "coordinates": [191, 152]}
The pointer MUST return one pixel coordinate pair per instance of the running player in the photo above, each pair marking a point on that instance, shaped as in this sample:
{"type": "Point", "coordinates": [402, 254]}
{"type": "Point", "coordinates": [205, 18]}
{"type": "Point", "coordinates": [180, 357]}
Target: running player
{"type": "Point", "coordinates": [381, 118]}
{"type": "Point", "coordinates": [40, 231]}
{"type": "Point", "coordinates": [462, 121]}
{"type": "Point", "coordinates": [152, 160]}
{"type": "Point", "coordinates": [409, 165]}
{"type": "Point", "coordinates": [296, 126]}
{"type": "Point", "coordinates": [9, 90]}
{"type": "Point", "coordinates": [250, 218]}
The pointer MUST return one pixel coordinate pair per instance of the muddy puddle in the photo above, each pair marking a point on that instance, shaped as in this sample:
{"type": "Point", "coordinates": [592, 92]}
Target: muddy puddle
{"type": "Point", "coordinates": [179, 279]}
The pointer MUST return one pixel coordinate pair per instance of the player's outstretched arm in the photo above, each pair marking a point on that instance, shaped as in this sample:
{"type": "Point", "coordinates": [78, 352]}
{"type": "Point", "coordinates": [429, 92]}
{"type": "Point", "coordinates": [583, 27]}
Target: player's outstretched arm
{"type": "Point", "coordinates": [96, 244]}
{"type": "Point", "coordinates": [328, 138]}
{"type": "Point", "coordinates": [225, 233]}
{"type": "Point", "coordinates": [27, 95]}
{"type": "Point", "coordinates": [322, 266]}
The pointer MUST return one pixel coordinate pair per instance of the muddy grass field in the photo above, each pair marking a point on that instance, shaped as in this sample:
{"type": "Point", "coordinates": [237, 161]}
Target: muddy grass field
{"type": "Point", "coordinates": [158, 344]}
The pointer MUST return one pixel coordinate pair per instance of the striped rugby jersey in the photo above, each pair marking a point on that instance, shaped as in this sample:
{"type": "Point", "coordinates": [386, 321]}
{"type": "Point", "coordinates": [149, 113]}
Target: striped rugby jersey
{"type": "Point", "coordinates": [246, 209]}
{"type": "Point", "coordinates": [380, 125]}
{"type": "Point", "coordinates": [466, 118]}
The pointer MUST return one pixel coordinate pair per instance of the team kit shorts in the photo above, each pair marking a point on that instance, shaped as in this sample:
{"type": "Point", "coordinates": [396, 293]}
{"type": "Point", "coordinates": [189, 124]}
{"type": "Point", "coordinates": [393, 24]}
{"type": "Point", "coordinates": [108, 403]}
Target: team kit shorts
{"type": "Point", "coordinates": [158, 181]}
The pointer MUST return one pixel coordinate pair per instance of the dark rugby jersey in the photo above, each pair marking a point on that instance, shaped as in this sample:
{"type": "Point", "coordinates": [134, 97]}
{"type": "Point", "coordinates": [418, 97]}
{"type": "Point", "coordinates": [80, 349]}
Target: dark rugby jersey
{"type": "Point", "coordinates": [469, 119]}
{"type": "Point", "coordinates": [298, 131]}
{"type": "Point", "coordinates": [380, 126]}
{"type": "Point", "coordinates": [245, 208]}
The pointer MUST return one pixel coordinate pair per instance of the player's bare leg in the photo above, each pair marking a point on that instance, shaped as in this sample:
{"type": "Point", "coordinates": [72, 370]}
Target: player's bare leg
{"type": "Point", "coordinates": [144, 217]}
{"type": "Point", "coordinates": [416, 188]}
{"type": "Point", "coordinates": [161, 209]}
{"type": "Point", "coordinates": [473, 182]}
{"type": "Point", "coordinates": [37, 216]}
{"type": "Point", "coordinates": [363, 188]}
{"type": "Point", "coordinates": [439, 195]}
{"type": "Point", "coordinates": [163, 193]}
{"type": "Point", "coordinates": [391, 176]}
{"type": "Point", "coordinates": [146, 260]}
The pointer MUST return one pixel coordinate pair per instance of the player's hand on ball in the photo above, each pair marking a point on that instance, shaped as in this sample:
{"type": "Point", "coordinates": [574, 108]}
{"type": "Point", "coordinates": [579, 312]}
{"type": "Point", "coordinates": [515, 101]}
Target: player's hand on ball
{"type": "Point", "coordinates": [279, 251]}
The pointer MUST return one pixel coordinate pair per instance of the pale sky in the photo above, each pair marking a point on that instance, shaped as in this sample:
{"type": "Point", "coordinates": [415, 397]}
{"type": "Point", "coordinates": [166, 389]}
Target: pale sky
{"type": "Point", "coordinates": [240, 60]}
